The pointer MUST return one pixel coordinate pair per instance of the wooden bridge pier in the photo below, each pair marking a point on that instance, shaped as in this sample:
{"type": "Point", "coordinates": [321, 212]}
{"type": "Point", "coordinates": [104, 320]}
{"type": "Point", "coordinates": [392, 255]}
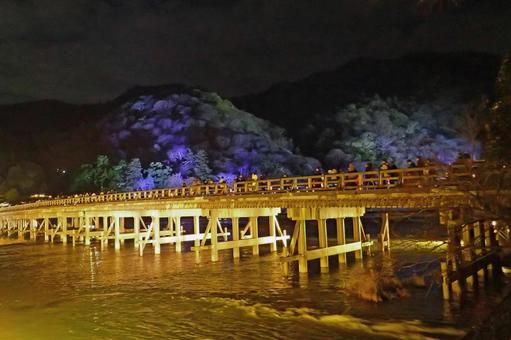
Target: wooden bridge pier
{"type": "Point", "coordinates": [242, 236]}
{"type": "Point", "coordinates": [384, 236]}
{"type": "Point", "coordinates": [472, 253]}
{"type": "Point", "coordinates": [304, 253]}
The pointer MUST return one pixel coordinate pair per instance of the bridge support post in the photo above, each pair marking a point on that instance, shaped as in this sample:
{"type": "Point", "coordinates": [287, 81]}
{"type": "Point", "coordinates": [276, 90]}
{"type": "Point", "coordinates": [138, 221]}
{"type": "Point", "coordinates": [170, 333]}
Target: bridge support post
{"type": "Point", "coordinates": [122, 228]}
{"type": "Point", "coordinates": [104, 240]}
{"type": "Point", "coordinates": [302, 247]}
{"type": "Point", "coordinates": [177, 228]}
{"type": "Point", "coordinates": [468, 251]}
{"type": "Point", "coordinates": [446, 282]}
{"type": "Point", "coordinates": [21, 235]}
{"type": "Point", "coordinates": [255, 234]}
{"type": "Point", "coordinates": [479, 243]}
{"type": "Point", "coordinates": [454, 251]}
{"type": "Point", "coordinates": [341, 237]}
{"type": "Point", "coordinates": [136, 228]}
{"type": "Point", "coordinates": [272, 232]}
{"type": "Point", "coordinates": [97, 226]}
{"type": "Point", "coordinates": [117, 233]}
{"type": "Point", "coordinates": [495, 265]}
{"type": "Point", "coordinates": [235, 236]}
{"type": "Point", "coordinates": [46, 229]}
{"type": "Point", "coordinates": [357, 236]}
{"type": "Point", "coordinates": [323, 243]}
{"type": "Point", "coordinates": [63, 234]}
{"type": "Point", "coordinates": [87, 230]}
{"type": "Point", "coordinates": [321, 215]}
{"type": "Point", "coordinates": [384, 236]}
{"type": "Point", "coordinates": [214, 237]}
{"type": "Point", "coordinates": [472, 252]}
{"type": "Point", "coordinates": [156, 233]}
{"type": "Point", "coordinates": [196, 231]}
{"type": "Point", "coordinates": [33, 229]}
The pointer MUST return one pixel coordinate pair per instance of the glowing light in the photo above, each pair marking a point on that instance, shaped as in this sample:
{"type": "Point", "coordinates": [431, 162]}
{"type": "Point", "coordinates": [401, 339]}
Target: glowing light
{"type": "Point", "coordinates": [494, 223]}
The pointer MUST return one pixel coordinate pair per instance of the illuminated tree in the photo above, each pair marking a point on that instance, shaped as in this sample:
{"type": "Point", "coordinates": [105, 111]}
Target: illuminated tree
{"type": "Point", "coordinates": [119, 178]}
{"type": "Point", "coordinates": [103, 173]}
{"type": "Point", "coordinates": [98, 176]}
{"type": "Point", "coordinates": [387, 128]}
{"type": "Point", "coordinates": [84, 179]}
{"type": "Point", "coordinates": [201, 168]}
{"type": "Point", "coordinates": [159, 174]}
{"type": "Point", "coordinates": [134, 175]}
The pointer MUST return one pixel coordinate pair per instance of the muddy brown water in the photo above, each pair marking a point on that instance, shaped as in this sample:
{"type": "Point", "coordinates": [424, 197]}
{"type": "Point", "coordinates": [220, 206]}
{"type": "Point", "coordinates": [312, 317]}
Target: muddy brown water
{"type": "Point", "coordinates": [53, 291]}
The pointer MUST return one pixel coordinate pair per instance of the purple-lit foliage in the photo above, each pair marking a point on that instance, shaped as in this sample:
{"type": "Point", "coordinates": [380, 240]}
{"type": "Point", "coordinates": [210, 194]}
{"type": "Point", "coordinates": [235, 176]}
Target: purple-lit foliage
{"type": "Point", "coordinates": [199, 134]}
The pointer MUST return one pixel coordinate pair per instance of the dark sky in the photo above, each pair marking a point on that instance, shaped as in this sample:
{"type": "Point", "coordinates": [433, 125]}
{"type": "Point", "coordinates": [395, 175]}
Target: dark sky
{"type": "Point", "coordinates": [92, 50]}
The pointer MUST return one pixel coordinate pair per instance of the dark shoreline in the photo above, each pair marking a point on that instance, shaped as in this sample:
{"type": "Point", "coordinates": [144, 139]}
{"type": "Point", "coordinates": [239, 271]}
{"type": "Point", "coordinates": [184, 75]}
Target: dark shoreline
{"type": "Point", "coordinates": [496, 326]}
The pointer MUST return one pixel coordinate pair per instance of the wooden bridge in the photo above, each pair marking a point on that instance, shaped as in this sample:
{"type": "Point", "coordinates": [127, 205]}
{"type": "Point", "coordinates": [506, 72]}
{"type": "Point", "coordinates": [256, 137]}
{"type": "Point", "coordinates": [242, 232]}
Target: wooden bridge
{"type": "Point", "coordinates": [225, 217]}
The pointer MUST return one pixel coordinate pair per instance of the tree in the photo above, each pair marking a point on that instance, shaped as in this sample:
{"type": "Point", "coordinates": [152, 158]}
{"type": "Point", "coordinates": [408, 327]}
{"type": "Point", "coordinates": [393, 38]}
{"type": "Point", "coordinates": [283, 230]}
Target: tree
{"type": "Point", "coordinates": [377, 129]}
{"type": "Point", "coordinates": [195, 164]}
{"type": "Point", "coordinates": [498, 123]}
{"type": "Point", "coordinates": [103, 173]}
{"type": "Point", "coordinates": [159, 173]}
{"type": "Point", "coordinates": [119, 179]}
{"type": "Point", "coordinates": [98, 176]}
{"type": "Point", "coordinates": [134, 176]}
{"type": "Point", "coordinates": [469, 125]}
{"type": "Point", "coordinates": [84, 179]}
{"type": "Point", "coordinates": [201, 168]}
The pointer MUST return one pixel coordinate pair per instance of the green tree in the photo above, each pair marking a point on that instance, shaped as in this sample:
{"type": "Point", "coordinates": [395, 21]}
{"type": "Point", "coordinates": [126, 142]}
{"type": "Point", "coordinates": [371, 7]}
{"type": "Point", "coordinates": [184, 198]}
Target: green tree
{"type": "Point", "coordinates": [498, 124]}
{"type": "Point", "coordinates": [201, 168]}
{"type": "Point", "coordinates": [84, 179]}
{"type": "Point", "coordinates": [119, 176]}
{"type": "Point", "coordinates": [104, 173]}
{"type": "Point", "coordinates": [134, 175]}
{"type": "Point", "coordinates": [93, 177]}
{"type": "Point", "coordinates": [159, 173]}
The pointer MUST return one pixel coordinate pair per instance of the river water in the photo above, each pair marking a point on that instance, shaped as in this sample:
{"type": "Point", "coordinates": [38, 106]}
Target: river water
{"type": "Point", "coordinates": [53, 291]}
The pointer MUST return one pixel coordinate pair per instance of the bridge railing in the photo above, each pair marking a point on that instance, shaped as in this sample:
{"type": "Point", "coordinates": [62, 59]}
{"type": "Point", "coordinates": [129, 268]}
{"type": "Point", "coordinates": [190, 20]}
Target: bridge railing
{"type": "Point", "coordinates": [356, 181]}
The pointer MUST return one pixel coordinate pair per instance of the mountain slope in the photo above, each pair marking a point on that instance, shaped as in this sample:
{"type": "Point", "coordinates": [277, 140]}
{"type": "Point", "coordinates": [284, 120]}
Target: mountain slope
{"type": "Point", "coordinates": [450, 81]}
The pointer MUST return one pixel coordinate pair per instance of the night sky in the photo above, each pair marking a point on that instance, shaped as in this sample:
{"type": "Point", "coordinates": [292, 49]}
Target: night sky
{"type": "Point", "coordinates": [92, 50]}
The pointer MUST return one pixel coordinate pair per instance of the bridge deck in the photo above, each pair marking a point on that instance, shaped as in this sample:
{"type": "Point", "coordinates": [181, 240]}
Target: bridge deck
{"type": "Point", "coordinates": [407, 188]}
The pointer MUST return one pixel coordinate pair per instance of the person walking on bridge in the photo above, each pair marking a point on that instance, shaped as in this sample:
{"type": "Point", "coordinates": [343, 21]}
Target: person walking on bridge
{"type": "Point", "coordinates": [317, 182]}
{"type": "Point", "coordinates": [384, 166]}
{"type": "Point", "coordinates": [351, 179]}
{"type": "Point", "coordinates": [253, 178]}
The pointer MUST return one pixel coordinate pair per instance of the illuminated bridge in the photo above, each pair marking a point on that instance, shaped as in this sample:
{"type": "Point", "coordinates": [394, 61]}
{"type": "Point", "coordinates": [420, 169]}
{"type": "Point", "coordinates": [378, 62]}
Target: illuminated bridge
{"type": "Point", "coordinates": [225, 217]}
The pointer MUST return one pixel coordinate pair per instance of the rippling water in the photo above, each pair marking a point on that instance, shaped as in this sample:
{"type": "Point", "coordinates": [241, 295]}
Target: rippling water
{"type": "Point", "coordinates": [60, 292]}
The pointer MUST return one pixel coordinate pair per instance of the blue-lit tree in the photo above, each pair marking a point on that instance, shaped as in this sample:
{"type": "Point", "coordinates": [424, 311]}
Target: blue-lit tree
{"type": "Point", "coordinates": [158, 173]}
{"type": "Point", "coordinates": [134, 175]}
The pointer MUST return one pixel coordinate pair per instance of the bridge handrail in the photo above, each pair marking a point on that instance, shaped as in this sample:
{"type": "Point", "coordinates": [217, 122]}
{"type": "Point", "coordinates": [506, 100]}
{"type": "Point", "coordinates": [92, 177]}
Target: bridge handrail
{"type": "Point", "coordinates": [378, 179]}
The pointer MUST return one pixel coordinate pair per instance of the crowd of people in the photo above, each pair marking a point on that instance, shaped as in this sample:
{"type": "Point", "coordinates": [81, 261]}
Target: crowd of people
{"type": "Point", "coordinates": [386, 164]}
{"type": "Point", "coordinates": [251, 182]}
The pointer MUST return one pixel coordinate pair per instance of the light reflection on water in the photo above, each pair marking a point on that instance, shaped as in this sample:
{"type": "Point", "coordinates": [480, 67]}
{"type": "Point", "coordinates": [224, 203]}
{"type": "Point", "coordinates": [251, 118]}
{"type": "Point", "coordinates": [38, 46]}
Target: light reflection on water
{"type": "Point", "coordinates": [56, 291]}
